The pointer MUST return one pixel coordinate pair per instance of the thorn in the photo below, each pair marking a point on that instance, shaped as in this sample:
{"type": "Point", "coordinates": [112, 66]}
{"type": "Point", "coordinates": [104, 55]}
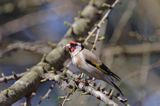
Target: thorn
{"type": "Point", "coordinates": [27, 69]}
{"type": "Point", "coordinates": [15, 75]}
{"type": "Point", "coordinates": [100, 12]}
{"type": "Point", "coordinates": [33, 94]}
{"type": "Point", "coordinates": [105, 92]}
{"type": "Point", "coordinates": [98, 26]}
{"type": "Point", "coordinates": [2, 74]}
{"type": "Point", "coordinates": [86, 43]}
{"type": "Point", "coordinates": [123, 100]}
{"type": "Point", "coordinates": [6, 94]}
{"type": "Point", "coordinates": [85, 93]}
{"type": "Point", "coordinates": [89, 33]}
{"type": "Point", "coordinates": [98, 97]}
{"type": "Point", "coordinates": [67, 24]}
{"type": "Point", "coordinates": [111, 93]}
{"type": "Point", "coordinates": [102, 89]}
{"type": "Point", "coordinates": [94, 47]}
{"type": "Point", "coordinates": [61, 97]}
{"type": "Point", "coordinates": [43, 58]}
{"type": "Point", "coordinates": [101, 38]}
{"type": "Point", "coordinates": [98, 88]}
{"type": "Point", "coordinates": [106, 5]}
{"type": "Point", "coordinates": [80, 39]}
{"type": "Point", "coordinates": [75, 19]}
{"type": "Point", "coordinates": [80, 13]}
{"type": "Point", "coordinates": [5, 80]}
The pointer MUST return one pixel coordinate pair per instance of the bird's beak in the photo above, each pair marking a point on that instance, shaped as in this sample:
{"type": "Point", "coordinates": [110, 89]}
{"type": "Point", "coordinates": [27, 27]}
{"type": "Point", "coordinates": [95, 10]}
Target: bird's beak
{"type": "Point", "coordinates": [66, 47]}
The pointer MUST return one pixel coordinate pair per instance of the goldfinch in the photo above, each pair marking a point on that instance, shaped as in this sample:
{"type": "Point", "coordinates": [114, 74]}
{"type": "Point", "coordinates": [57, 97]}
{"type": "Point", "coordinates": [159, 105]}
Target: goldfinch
{"type": "Point", "coordinates": [91, 65]}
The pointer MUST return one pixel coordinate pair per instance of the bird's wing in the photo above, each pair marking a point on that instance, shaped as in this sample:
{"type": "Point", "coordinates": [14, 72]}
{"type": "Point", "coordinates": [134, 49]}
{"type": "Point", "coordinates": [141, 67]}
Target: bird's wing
{"type": "Point", "coordinates": [94, 61]}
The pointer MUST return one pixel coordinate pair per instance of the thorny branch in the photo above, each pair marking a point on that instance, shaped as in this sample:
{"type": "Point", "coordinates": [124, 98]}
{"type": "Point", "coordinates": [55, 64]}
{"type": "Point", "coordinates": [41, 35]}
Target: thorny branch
{"type": "Point", "coordinates": [4, 78]}
{"type": "Point", "coordinates": [46, 94]}
{"type": "Point", "coordinates": [96, 29]}
{"type": "Point", "coordinates": [56, 58]}
{"type": "Point", "coordinates": [77, 83]}
{"type": "Point", "coordinates": [66, 98]}
{"type": "Point", "coordinates": [101, 94]}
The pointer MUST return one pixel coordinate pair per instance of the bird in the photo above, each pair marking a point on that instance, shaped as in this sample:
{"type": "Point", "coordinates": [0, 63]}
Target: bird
{"type": "Point", "coordinates": [90, 64]}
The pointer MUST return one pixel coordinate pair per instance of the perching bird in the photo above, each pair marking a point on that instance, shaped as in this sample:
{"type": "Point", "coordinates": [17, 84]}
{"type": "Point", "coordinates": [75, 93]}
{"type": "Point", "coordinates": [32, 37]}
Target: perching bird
{"type": "Point", "coordinates": [90, 64]}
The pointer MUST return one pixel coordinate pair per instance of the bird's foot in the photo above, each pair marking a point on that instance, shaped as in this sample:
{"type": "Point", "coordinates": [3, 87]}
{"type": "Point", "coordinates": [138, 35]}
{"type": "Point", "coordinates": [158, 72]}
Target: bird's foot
{"type": "Point", "coordinates": [110, 93]}
{"type": "Point", "coordinates": [91, 81]}
{"type": "Point", "coordinates": [80, 76]}
{"type": "Point", "coordinates": [121, 99]}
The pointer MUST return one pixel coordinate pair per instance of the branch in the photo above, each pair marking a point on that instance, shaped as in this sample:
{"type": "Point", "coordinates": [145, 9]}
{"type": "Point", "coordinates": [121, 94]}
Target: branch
{"type": "Point", "coordinates": [24, 22]}
{"type": "Point", "coordinates": [122, 22]}
{"type": "Point", "coordinates": [46, 94]}
{"type": "Point", "coordinates": [74, 82]}
{"type": "Point", "coordinates": [133, 49]}
{"type": "Point", "coordinates": [29, 82]}
{"type": "Point", "coordinates": [97, 27]}
{"type": "Point", "coordinates": [25, 85]}
{"type": "Point", "coordinates": [11, 77]}
{"type": "Point", "coordinates": [20, 6]}
{"type": "Point", "coordinates": [35, 47]}
{"type": "Point", "coordinates": [92, 91]}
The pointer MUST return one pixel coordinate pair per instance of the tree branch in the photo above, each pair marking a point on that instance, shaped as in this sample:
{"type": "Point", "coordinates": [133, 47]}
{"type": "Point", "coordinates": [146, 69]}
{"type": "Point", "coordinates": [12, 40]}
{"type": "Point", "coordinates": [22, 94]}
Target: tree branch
{"type": "Point", "coordinates": [133, 49]}
{"type": "Point", "coordinates": [29, 82]}
{"type": "Point", "coordinates": [92, 91]}
{"type": "Point", "coordinates": [35, 47]}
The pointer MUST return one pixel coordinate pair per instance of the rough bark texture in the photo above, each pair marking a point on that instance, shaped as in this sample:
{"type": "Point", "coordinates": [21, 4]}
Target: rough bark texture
{"type": "Point", "coordinates": [29, 82]}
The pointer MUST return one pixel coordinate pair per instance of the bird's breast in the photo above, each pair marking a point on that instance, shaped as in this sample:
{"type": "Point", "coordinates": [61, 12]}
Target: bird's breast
{"type": "Point", "coordinates": [77, 60]}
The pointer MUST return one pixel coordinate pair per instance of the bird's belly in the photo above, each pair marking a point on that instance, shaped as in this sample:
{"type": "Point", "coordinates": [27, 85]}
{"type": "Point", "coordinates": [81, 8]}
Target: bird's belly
{"type": "Point", "coordinates": [91, 71]}
{"type": "Point", "coordinates": [87, 69]}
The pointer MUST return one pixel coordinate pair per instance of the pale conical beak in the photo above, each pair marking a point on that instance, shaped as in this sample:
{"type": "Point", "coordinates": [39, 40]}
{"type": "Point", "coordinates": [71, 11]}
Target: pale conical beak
{"type": "Point", "coordinates": [66, 47]}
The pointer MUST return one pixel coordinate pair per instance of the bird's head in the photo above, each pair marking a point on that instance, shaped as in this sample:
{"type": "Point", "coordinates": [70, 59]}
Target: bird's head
{"type": "Point", "coordinates": [73, 47]}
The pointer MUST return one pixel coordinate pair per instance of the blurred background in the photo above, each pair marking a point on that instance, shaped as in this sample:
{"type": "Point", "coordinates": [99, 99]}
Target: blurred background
{"type": "Point", "coordinates": [131, 47]}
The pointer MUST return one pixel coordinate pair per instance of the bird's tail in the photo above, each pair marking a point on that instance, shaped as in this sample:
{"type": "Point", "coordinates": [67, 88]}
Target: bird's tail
{"type": "Point", "coordinates": [115, 86]}
{"type": "Point", "coordinates": [110, 82]}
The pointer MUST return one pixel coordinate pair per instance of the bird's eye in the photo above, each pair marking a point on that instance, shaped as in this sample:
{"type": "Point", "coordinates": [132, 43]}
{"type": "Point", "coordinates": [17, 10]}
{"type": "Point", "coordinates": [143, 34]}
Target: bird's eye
{"type": "Point", "coordinates": [73, 45]}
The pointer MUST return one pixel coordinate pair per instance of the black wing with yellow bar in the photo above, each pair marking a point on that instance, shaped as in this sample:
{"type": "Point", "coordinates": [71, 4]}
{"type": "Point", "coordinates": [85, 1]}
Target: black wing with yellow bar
{"type": "Point", "coordinates": [102, 67]}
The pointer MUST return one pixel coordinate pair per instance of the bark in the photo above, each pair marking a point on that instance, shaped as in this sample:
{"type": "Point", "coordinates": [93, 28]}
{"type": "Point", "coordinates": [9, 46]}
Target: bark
{"type": "Point", "coordinates": [29, 82]}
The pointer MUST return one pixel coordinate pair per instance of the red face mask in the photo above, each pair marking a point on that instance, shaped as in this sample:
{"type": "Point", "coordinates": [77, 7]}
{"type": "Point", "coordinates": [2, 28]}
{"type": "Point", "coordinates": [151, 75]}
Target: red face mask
{"type": "Point", "coordinates": [71, 49]}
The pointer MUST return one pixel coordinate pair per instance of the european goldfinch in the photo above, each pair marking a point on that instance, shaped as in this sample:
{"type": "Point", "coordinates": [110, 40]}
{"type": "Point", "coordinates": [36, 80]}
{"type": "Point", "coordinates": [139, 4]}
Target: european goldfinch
{"type": "Point", "coordinates": [90, 64]}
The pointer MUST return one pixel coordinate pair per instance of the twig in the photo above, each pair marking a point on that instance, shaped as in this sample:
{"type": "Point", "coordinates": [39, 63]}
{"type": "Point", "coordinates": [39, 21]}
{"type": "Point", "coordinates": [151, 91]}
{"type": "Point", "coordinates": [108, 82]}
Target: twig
{"type": "Point", "coordinates": [55, 58]}
{"type": "Point", "coordinates": [133, 49]}
{"type": "Point", "coordinates": [123, 21]}
{"type": "Point", "coordinates": [144, 72]}
{"type": "Point", "coordinates": [66, 98]}
{"type": "Point", "coordinates": [11, 77]}
{"type": "Point", "coordinates": [27, 8]}
{"type": "Point", "coordinates": [29, 20]}
{"type": "Point", "coordinates": [46, 96]}
{"type": "Point", "coordinates": [46, 77]}
{"type": "Point", "coordinates": [137, 72]}
{"type": "Point", "coordinates": [84, 86]}
{"type": "Point", "coordinates": [100, 22]}
{"type": "Point", "coordinates": [35, 47]}
{"type": "Point", "coordinates": [95, 41]}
